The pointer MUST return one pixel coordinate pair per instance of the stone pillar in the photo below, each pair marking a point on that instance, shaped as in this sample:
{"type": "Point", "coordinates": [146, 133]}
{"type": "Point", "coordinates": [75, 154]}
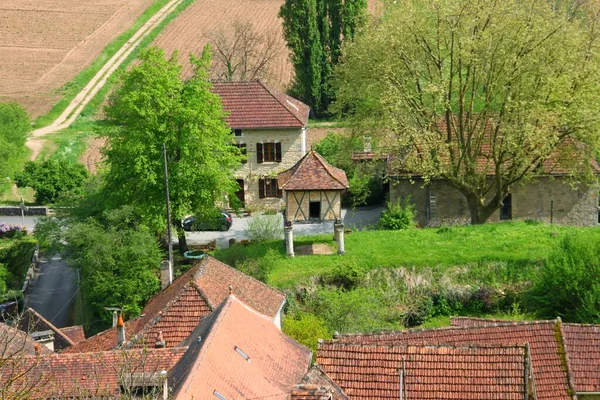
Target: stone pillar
{"type": "Point", "coordinates": [288, 231]}
{"type": "Point", "coordinates": [339, 235]}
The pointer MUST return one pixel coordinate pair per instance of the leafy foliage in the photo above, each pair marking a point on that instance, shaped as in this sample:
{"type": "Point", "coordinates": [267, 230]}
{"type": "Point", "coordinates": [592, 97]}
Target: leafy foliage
{"type": "Point", "coordinates": [14, 129]}
{"type": "Point", "coordinates": [52, 178]}
{"type": "Point", "coordinates": [307, 329]}
{"type": "Point", "coordinates": [399, 215]}
{"type": "Point", "coordinates": [314, 31]}
{"type": "Point", "coordinates": [261, 228]}
{"type": "Point", "coordinates": [569, 282]}
{"type": "Point", "coordinates": [152, 106]}
{"type": "Point", "coordinates": [463, 90]}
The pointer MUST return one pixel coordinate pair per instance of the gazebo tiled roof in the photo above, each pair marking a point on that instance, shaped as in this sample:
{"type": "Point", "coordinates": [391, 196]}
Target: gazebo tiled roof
{"type": "Point", "coordinates": [312, 172]}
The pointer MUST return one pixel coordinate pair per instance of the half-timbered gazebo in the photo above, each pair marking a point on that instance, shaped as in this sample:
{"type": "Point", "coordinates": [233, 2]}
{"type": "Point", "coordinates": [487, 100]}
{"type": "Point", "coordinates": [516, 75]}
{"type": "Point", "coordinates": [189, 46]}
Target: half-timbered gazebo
{"type": "Point", "coordinates": [312, 191]}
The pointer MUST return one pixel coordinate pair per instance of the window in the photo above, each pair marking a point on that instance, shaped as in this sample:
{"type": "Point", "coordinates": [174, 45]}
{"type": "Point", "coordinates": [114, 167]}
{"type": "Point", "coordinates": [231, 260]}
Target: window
{"type": "Point", "coordinates": [237, 132]}
{"type": "Point", "coordinates": [268, 152]}
{"type": "Point", "coordinates": [243, 150]}
{"type": "Point", "coordinates": [268, 188]}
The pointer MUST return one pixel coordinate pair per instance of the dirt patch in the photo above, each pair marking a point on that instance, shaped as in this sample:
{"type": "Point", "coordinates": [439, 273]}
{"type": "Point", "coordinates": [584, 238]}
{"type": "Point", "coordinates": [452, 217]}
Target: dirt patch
{"type": "Point", "coordinates": [92, 158]}
{"type": "Point", "coordinates": [313, 249]}
{"type": "Point", "coordinates": [46, 43]}
{"type": "Point", "coordinates": [36, 146]}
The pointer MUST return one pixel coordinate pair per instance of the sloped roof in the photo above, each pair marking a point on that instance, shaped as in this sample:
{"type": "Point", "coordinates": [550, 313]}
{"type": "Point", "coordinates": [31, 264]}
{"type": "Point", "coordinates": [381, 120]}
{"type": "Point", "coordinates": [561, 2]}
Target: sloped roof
{"type": "Point", "coordinates": [252, 105]}
{"type": "Point", "coordinates": [582, 348]}
{"type": "Point", "coordinates": [90, 375]}
{"type": "Point", "coordinates": [75, 333]}
{"type": "Point", "coordinates": [312, 172]}
{"type": "Point", "coordinates": [177, 310]}
{"type": "Point", "coordinates": [14, 341]}
{"type": "Point", "coordinates": [32, 321]}
{"type": "Point", "coordinates": [316, 383]}
{"type": "Point", "coordinates": [372, 371]}
{"type": "Point", "coordinates": [239, 353]}
{"type": "Point", "coordinates": [549, 364]}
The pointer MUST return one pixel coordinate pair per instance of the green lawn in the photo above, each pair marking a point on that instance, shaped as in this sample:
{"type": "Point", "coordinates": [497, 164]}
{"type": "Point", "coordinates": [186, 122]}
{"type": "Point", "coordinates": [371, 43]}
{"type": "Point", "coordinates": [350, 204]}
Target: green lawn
{"type": "Point", "coordinates": [515, 243]}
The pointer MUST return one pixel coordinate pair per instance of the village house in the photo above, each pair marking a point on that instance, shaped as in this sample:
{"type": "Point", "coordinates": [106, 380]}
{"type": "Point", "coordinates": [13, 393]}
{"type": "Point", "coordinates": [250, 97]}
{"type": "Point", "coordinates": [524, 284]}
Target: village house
{"type": "Point", "coordinates": [270, 128]}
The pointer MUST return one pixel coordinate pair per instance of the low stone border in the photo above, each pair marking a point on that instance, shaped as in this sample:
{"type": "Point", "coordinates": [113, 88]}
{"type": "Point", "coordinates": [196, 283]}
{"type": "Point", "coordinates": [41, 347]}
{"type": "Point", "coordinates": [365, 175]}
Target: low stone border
{"type": "Point", "coordinates": [29, 211]}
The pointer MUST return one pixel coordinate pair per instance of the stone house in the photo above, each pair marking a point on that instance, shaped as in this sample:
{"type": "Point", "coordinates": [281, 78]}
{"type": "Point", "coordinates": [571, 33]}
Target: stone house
{"type": "Point", "coordinates": [548, 198]}
{"type": "Point", "coordinates": [270, 128]}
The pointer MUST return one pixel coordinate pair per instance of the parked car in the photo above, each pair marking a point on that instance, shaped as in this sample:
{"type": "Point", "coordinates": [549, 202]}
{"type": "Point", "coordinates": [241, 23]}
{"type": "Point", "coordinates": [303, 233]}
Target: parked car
{"type": "Point", "coordinates": [220, 222]}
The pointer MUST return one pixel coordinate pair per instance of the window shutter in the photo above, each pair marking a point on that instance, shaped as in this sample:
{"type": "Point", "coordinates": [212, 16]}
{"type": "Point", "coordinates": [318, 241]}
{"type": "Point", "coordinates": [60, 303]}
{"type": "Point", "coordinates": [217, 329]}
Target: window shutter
{"type": "Point", "coordinates": [279, 191]}
{"type": "Point", "coordinates": [259, 153]}
{"type": "Point", "coordinates": [277, 152]}
{"type": "Point", "coordinates": [261, 188]}
{"type": "Point", "coordinates": [243, 150]}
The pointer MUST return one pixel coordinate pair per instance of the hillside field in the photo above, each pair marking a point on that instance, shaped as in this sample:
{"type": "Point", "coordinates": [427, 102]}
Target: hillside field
{"type": "Point", "coordinates": [46, 43]}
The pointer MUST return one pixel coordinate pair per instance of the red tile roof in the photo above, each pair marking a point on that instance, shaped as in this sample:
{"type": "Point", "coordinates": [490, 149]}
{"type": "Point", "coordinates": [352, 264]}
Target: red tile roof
{"type": "Point", "coordinates": [373, 371]}
{"type": "Point", "coordinates": [252, 105]}
{"type": "Point", "coordinates": [312, 172]}
{"type": "Point", "coordinates": [177, 310]}
{"type": "Point", "coordinates": [317, 381]}
{"type": "Point", "coordinates": [549, 362]}
{"type": "Point", "coordinates": [582, 348]}
{"type": "Point", "coordinates": [75, 333]}
{"type": "Point", "coordinates": [32, 321]}
{"type": "Point", "coordinates": [89, 375]}
{"type": "Point", "coordinates": [14, 341]}
{"type": "Point", "coordinates": [240, 354]}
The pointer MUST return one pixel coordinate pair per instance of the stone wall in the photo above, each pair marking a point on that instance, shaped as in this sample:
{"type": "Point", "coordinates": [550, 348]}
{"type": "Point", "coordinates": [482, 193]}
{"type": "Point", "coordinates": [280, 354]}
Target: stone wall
{"type": "Point", "coordinates": [298, 204]}
{"type": "Point", "coordinates": [545, 199]}
{"type": "Point", "coordinates": [292, 149]}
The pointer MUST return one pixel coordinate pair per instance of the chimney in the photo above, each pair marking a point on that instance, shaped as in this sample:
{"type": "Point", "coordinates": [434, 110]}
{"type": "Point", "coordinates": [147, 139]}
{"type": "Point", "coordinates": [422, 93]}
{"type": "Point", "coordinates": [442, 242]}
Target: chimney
{"type": "Point", "coordinates": [166, 276]}
{"type": "Point", "coordinates": [115, 318]}
{"type": "Point", "coordinates": [160, 341]}
{"type": "Point", "coordinates": [120, 331]}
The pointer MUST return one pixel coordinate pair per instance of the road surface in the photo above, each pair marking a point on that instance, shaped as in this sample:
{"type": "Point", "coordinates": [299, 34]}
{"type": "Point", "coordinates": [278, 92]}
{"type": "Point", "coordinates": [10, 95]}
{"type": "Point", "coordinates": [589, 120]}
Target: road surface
{"type": "Point", "coordinates": [53, 294]}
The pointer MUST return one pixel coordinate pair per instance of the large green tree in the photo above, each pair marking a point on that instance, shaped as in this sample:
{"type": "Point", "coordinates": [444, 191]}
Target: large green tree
{"type": "Point", "coordinates": [481, 93]}
{"type": "Point", "coordinates": [14, 129]}
{"type": "Point", "coordinates": [314, 31]}
{"type": "Point", "coordinates": [152, 106]}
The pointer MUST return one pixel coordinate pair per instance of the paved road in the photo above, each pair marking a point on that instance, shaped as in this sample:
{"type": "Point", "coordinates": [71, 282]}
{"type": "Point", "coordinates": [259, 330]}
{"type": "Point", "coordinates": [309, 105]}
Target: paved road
{"type": "Point", "coordinates": [355, 219]}
{"type": "Point", "coordinates": [53, 293]}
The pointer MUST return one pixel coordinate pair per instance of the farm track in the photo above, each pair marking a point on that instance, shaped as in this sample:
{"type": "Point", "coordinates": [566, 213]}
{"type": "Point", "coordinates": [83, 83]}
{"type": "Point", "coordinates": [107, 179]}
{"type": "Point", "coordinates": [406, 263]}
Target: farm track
{"type": "Point", "coordinates": [75, 108]}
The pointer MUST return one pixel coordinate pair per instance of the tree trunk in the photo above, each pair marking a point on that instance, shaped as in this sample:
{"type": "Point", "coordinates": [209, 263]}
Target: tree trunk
{"type": "Point", "coordinates": [480, 212]}
{"type": "Point", "coordinates": [180, 235]}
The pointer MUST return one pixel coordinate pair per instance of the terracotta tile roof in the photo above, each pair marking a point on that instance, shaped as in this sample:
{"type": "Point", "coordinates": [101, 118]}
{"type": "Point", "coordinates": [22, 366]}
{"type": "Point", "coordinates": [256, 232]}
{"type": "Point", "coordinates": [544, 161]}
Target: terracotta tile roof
{"type": "Point", "coordinates": [312, 172]}
{"type": "Point", "coordinates": [105, 340]}
{"type": "Point", "coordinates": [317, 378]}
{"type": "Point", "coordinates": [310, 392]}
{"type": "Point", "coordinates": [582, 347]}
{"type": "Point", "coordinates": [75, 333]}
{"type": "Point", "coordinates": [252, 105]}
{"type": "Point", "coordinates": [549, 362]}
{"type": "Point", "coordinates": [240, 354]}
{"type": "Point", "coordinates": [14, 341]}
{"type": "Point", "coordinates": [91, 375]}
{"type": "Point", "coordinates": [373, 371]}
{"type": "Point", "coordinates": [177, 310]}
{"type": "Point", "coordinates": [32, 321]}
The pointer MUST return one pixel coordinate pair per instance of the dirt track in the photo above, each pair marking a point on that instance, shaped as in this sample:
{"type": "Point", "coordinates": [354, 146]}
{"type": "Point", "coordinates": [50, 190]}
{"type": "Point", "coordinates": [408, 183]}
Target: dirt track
{"type": "Point", "coordinates": [46, 43]}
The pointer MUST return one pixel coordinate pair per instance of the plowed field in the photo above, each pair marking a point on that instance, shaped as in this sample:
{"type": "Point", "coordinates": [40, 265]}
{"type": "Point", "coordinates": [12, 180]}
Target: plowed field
{"type": "Point", "coordinates": [46, 43]}
{"type": "Point", "coordinates": [189, 32]}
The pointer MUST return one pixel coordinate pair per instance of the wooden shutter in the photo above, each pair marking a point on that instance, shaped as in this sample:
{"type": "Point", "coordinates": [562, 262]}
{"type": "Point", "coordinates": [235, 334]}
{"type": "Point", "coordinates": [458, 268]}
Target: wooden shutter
{"type": "Point", "coordinates": [277, 152]}
{"type": "Point", "coordinates": [261, 188]}
{"type": "Point", "coordinates": [279, 191]}
{"type": "Point", "coordinates": [259, 153]}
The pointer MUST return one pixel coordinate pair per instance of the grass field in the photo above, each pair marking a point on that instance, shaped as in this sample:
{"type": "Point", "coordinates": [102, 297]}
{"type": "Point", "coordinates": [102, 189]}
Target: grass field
{"type": "Point", "coordinates": [515, 243]}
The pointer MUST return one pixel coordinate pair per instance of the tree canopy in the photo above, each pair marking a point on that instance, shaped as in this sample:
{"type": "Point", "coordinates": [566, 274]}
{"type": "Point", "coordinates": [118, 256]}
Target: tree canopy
{"type": "Point", "coordinates": [152, 106]}
{"type": "Point", "coordinates": [14, 129]}
{"type": "Point", "coordinates": [483, 94]}
{"type": "Point", "coordinates": [314, 31]}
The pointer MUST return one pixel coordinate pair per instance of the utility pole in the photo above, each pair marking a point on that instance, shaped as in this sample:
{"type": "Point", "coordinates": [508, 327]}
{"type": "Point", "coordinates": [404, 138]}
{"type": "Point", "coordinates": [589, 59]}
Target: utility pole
{"type": "Point", "coordinates": [22, 205]}
{"type": "Point", "coordinates": [169, 237]}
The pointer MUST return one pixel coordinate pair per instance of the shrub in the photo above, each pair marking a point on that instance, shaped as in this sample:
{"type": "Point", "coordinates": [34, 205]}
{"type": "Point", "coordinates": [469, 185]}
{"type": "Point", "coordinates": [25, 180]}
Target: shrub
{"type": "Point", "coordinates": [400, 215]}
{"type": "Point", "coordinates": [346, 276]}
{"type": "Point", "coordinates": [52, 178]}
{"type": "Point", "coordinates": [264, 227]}
{"type": "Point", "coordinates": [569, 281]}
{"type": "Point", "coordinates": [9, 231]}
{"type": "Point", "coordinates": [306, 329]}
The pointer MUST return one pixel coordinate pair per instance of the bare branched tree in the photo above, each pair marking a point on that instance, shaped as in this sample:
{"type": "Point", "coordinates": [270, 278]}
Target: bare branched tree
{"type": "Point", "coordinates": [243, 53]}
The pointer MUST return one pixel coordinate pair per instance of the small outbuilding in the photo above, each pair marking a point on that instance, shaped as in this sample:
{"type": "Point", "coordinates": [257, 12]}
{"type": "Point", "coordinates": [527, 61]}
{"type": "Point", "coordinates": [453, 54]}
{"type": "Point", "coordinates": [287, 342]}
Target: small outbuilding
{"type": "Point", "coordinates": [312, 191]}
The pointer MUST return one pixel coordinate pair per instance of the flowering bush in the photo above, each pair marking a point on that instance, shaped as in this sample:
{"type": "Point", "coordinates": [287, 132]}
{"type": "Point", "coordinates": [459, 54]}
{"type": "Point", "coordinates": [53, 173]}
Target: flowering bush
{"type": "Point", "coordinates": [8, 230]}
